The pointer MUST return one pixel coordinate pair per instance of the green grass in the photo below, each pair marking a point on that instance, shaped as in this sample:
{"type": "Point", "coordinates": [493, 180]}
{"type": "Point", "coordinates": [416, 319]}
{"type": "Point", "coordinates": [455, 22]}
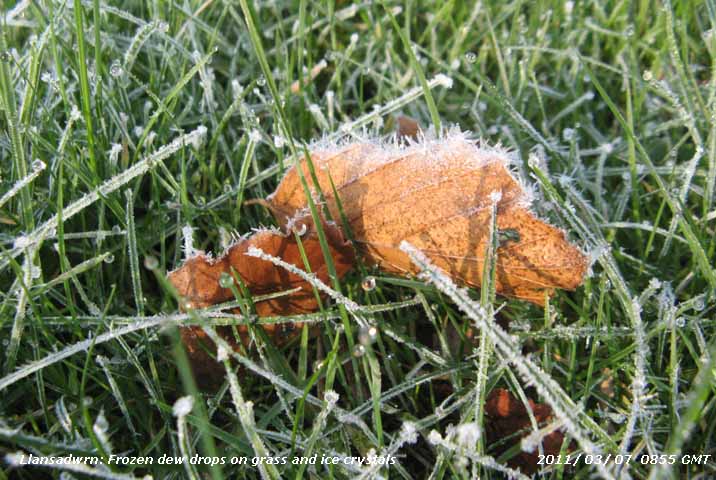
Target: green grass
{"type": "Point", "coordinates": [122, 125]}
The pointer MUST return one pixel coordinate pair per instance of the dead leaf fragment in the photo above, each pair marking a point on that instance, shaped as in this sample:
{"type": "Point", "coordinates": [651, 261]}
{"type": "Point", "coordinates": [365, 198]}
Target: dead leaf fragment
{"type": "Point", "coordinates": [437, 195]}
{"type": "Point", "coordinates": [507, 416]}
{"type": "Point", "coordinates": [197, 280]}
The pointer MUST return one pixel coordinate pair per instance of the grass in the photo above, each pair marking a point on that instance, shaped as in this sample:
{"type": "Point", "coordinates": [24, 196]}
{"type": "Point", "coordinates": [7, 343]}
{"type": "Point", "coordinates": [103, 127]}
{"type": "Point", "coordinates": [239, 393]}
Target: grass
{"type": "Point", "coordinates": [121, 126]}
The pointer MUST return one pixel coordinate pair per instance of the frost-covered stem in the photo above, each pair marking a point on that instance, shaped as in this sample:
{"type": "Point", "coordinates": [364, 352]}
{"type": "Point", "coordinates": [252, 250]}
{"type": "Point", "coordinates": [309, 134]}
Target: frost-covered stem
{"type": "Point", "coordinates": [117, 392]}
{"type": "Point", "coordinates": [484, 460]}
{"type": "Point", "coordinates": [695, 399]}
{"type": "Point", "coordinates": [690, 168]}
{"type": "Point", "coordinates": [311, 278]}
{"type": "Point", "coordinates": [20, 184]}
{"type": "Point", "coordinates": [391, 106]}
{"type": "Point", "coordinates": [319, 424]}
{"type": "Point", "coordinates": [74, 271]}
{"type": "Point", "coordinates": [278, 382]}
{"type": "Point", "coordinates": [18, 325]}
{"type": "Point", "coordinates": [100, 428]}
{"type": "Point", "coordinates": [631, 306]}
{"type": "Point", "coordinates": [182, 408]}
{"type": "Point", "coordinates": [16, 460]}
{"type": "Point", "coordinates": [187, 234]}
{"type": "Point", "coordinates": [133, 254]}
{"type": "Point", "coordinates": [408, 434]}
{"type": "Point", "coordinates": [109, 186]}
{"type": "Point", "coordinates": [143, 33]}
{"type": "Point", "coordinates": [82, 346]}
{"type": "Point", "coordinates": [562, 405]}
{"type": "Point", "coordinates": [246, 417]}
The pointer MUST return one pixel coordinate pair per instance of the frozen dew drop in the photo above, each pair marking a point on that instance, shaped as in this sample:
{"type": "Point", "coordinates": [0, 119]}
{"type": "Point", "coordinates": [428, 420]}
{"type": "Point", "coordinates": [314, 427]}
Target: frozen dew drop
{"type": "Point", "coordinates": [359, 350]}
{"type": "Point", "coordinates": [116, 230]}
{"type": "Point", "coordinates": [261, 81]}
{"type": "Point", "coordinates": [163, 26]}
{"type": "Point", "coordinates": [368, 283]}
{"type": "Point", "coordinates": [680, 322]}
{"type": "Point", "coordinates": [6, 56]}
{"type": "Point", "coordinates": [183, 406]}
{"type": "Point", "coordinates": [470, 57]}
{"type": "Point", "coordinates": [300, 230]}
{"type": "Point", "coordinates": [225, 280]}
{"type": "Point", "coordinates": [699, 305]}
{"type": "Point", "coordinates": [368, 335]}
{"type": "Point", "coordinates": [116, 69]}
{"type": "Point", "coordinates": [38, 165]}
{"type": "Point", "coordinates": [648, 76]}
{"type": "Point", "coordinates": [151, 262]}
{"type": "Point", "coordinates": [109, 258]}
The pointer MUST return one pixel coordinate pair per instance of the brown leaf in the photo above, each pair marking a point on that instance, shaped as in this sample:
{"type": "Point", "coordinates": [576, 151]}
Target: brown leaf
{"type": "Point", "coordinates": [408, 128]}
{"type": "Point", "coordinates": [197, 280]}
{"type": "Point", "coordinates": [507, 416]}
{"type": "Point", "coordinates": [437, 196]}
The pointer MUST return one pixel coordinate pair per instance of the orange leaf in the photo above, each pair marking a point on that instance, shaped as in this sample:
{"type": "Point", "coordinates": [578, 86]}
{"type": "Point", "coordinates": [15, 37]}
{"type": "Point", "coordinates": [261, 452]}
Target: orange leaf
{"type": "Point", "coordinates": [438, 196]}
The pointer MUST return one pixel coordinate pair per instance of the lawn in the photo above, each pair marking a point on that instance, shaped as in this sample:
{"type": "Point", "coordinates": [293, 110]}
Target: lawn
{"type": "Point", "coordinates": [136, 134]}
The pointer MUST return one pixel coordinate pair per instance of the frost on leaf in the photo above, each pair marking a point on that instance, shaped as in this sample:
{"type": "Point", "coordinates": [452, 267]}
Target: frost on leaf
{"type": "Point", "coordinates": [199, 281]}
{"type": "Point", "coordinates": [437, 194]}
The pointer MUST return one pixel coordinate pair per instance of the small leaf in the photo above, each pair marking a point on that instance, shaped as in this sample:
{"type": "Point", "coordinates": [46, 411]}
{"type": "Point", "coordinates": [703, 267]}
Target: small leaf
{"type": "Point", "coordinates": [201, 280]}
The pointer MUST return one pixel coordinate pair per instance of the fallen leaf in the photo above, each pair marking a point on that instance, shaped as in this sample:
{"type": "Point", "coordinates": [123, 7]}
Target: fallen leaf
{"type": "Point", "coordinates": [197, 281]}
{"type": "Point", "coordinates": [507, 416]}
{"type": "Point", "coordinates": [437, 195]}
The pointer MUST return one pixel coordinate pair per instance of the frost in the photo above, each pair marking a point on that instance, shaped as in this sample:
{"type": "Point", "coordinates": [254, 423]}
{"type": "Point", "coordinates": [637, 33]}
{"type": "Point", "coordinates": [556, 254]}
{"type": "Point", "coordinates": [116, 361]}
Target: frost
{"type": "Point", "coordinates": [188, 235]}
{"type": "Point", "coordinates": [222, 354]}
{"type": "Point", "coordinates": [443, 80]}
{"type": "Point", "coordinates": [183, 406]}
{"type": "Point", "coordinates": [279, 141]}
{"type": "Point", "coordinates": [467, 434]}
{"type": "Point", "coordinates": [255, 136]}
{"type": "Point", "coordinates": [409, 432]}
{"type": "Point", "coordinates": [434, 437]}
{"type": "Point", "coordinates": [114, 153]}
{"type": "Point", "coordinates": [331, 397]}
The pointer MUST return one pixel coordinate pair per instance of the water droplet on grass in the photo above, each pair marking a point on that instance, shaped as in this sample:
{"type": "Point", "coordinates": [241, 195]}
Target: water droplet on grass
{"type": "Point", "coordinates": [116, 69]}
{"type": "Point", "coordinates": [151, 262]}
{"type": "Point", "coordinates": [358, 351]}
{"type": "Point", "coordinates": [109, 258]}
{"type": "Point", "coordinates": [225, 280]}
{"type": "Point", "coordinates": [368, 283]}
{"type": "Point", "coordinates": [470, 57]}
{"type": "Point", "coordinates": [368, 335]}
{"type": "Point", "coordinates": [300, 230]}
